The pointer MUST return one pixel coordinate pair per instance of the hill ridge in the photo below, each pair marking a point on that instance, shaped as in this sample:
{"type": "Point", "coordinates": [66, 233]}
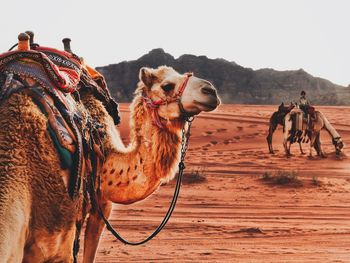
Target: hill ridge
{"type": "Point", "coordinates": [235, 83]}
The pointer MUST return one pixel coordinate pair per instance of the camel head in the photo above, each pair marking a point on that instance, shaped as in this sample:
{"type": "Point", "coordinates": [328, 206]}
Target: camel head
{"type": "Point", "coordinates": [176, 96]}
{"type": "Point", "coordinates": [338, 144]}
{"type": "Point", "coordinates": [285, 109]}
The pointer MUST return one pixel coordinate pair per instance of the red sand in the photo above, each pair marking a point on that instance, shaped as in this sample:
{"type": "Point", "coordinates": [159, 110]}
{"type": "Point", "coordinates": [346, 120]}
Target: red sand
{"type": "Point", "coordinates": [233, 216]}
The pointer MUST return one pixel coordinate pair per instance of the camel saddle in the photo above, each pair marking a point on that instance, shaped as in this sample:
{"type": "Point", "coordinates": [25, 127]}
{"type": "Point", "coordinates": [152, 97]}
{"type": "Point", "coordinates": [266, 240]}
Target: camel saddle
{"type": "Point", "coordinates": [303, 121]}
{"type": "Point", "coordinates": [54, 80]}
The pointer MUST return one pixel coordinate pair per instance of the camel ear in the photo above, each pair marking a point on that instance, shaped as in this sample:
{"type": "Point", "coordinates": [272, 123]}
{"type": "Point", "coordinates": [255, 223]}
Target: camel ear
{"type": "Point", "coordinates": [147, 77]}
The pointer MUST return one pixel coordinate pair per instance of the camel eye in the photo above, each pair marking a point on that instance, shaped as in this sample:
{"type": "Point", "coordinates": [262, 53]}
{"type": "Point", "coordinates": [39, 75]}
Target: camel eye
{"type": "Point", "coordinates": [168, 87]}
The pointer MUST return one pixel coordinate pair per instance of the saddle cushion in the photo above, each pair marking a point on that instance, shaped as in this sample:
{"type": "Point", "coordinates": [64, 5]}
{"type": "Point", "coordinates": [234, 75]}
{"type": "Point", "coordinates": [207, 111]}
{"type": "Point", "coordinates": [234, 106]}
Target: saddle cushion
{"type": "Point", "coordinates": [65, 75]}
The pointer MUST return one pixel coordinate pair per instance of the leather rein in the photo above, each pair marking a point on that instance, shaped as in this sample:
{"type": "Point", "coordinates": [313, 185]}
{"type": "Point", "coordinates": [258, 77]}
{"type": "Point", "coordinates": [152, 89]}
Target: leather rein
{"type": "Point", "coordinates": [153, 106]}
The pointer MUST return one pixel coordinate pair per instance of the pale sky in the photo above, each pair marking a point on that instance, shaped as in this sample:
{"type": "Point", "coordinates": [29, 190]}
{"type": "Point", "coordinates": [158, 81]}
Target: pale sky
{"type": "Point", "coordinates": [280, 34]}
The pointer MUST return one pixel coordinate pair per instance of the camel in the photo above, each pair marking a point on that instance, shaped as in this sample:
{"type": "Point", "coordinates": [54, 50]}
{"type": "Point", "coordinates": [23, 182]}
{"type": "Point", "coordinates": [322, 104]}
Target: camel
{"type": "Point", "coordinates": [131, 174]}
{"type": "Point", "coordinates": [277, 118]}
{"type": "Point", "coordinates": [320, 122]}
{"type": "Point", "coordinates": [38, 218]}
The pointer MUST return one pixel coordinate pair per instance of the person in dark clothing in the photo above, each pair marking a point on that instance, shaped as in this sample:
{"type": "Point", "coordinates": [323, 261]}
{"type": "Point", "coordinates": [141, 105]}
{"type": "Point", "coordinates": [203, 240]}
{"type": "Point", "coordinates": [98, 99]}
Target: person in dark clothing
{"type": "Point", "coordinates": [305, 106]}
{"type": "Point", "coordinates": [304, 103]}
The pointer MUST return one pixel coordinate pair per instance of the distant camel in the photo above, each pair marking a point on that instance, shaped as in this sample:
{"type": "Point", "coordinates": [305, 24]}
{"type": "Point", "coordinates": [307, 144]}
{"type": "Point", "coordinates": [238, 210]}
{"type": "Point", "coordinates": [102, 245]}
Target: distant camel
{"type": "Point", "coordinates": [318, 124]}
{"type": "Point", "coordinates": [277, 118]}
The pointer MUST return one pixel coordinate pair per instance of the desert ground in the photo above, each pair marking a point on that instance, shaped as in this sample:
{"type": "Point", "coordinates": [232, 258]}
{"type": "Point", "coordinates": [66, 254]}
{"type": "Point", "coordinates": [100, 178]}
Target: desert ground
{"type": "Point", "coordinates": [227, 213]}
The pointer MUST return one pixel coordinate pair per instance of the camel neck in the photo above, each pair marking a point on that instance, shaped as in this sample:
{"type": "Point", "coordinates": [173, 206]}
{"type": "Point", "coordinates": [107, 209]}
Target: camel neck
{"type": "Point", "coordinates": [329, 128]}
{"type": "Point", "coordinates": [151, 159]}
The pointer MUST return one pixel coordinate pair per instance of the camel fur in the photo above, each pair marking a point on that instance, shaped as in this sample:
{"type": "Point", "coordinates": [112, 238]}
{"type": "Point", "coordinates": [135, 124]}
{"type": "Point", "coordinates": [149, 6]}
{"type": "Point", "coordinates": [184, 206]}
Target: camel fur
{"type": "Point", "coordinates": [37, 216]}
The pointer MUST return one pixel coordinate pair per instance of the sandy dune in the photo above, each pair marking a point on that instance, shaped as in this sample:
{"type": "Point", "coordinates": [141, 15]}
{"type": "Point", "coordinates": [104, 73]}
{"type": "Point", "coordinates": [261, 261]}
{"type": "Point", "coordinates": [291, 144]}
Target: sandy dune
{"type": "Point", "coordinates": [233, 216]}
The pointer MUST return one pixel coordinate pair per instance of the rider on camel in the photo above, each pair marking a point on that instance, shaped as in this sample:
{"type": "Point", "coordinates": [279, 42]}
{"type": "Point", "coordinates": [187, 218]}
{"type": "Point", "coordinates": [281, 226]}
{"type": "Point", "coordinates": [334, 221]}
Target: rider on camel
{"type": "Point", "coordinates": [304, 103]}
{"type": "Point", "coordinates": [305, 106]}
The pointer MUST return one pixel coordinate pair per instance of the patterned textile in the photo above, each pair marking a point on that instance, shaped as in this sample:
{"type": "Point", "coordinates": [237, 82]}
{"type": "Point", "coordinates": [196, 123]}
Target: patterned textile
{"type": "Point", "coordinates": [64, 78]}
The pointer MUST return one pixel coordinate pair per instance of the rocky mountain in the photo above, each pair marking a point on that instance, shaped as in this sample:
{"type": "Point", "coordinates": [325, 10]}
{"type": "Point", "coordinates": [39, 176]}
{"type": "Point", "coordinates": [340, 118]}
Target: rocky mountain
{"type": "Point", "coordinates": [235, 83]}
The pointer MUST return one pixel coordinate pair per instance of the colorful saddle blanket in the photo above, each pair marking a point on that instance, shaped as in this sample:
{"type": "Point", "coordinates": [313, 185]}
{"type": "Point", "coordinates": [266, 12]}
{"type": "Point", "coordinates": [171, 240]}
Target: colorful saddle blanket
{"type": "Point", "coordinates": [54, 79]}
{"type": "Point", "coordinates": [64, 77]}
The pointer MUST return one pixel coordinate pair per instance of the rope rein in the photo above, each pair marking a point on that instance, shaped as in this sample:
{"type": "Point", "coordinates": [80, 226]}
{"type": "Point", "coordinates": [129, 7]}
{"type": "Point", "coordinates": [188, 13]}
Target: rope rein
{"type": "Point", "coordinates": [184, 145]}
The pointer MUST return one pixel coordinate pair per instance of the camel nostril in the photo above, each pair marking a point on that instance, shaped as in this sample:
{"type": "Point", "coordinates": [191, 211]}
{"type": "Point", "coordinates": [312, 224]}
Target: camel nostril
{"type": "Point", "coordinates": [208, 91]}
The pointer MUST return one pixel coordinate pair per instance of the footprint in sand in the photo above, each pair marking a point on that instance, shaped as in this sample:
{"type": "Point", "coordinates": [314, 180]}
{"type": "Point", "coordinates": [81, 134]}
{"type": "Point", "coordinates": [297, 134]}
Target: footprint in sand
{"type": "Point", "coordinates": [228, 141]}
{"type": "Point", "coordinates": [207, 133]}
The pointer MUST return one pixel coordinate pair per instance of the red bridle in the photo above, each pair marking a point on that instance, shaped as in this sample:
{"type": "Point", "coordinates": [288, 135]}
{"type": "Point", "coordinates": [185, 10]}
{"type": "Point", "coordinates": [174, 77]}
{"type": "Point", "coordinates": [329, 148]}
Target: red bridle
{"type": "Point", "coordinates": [153, 106]}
